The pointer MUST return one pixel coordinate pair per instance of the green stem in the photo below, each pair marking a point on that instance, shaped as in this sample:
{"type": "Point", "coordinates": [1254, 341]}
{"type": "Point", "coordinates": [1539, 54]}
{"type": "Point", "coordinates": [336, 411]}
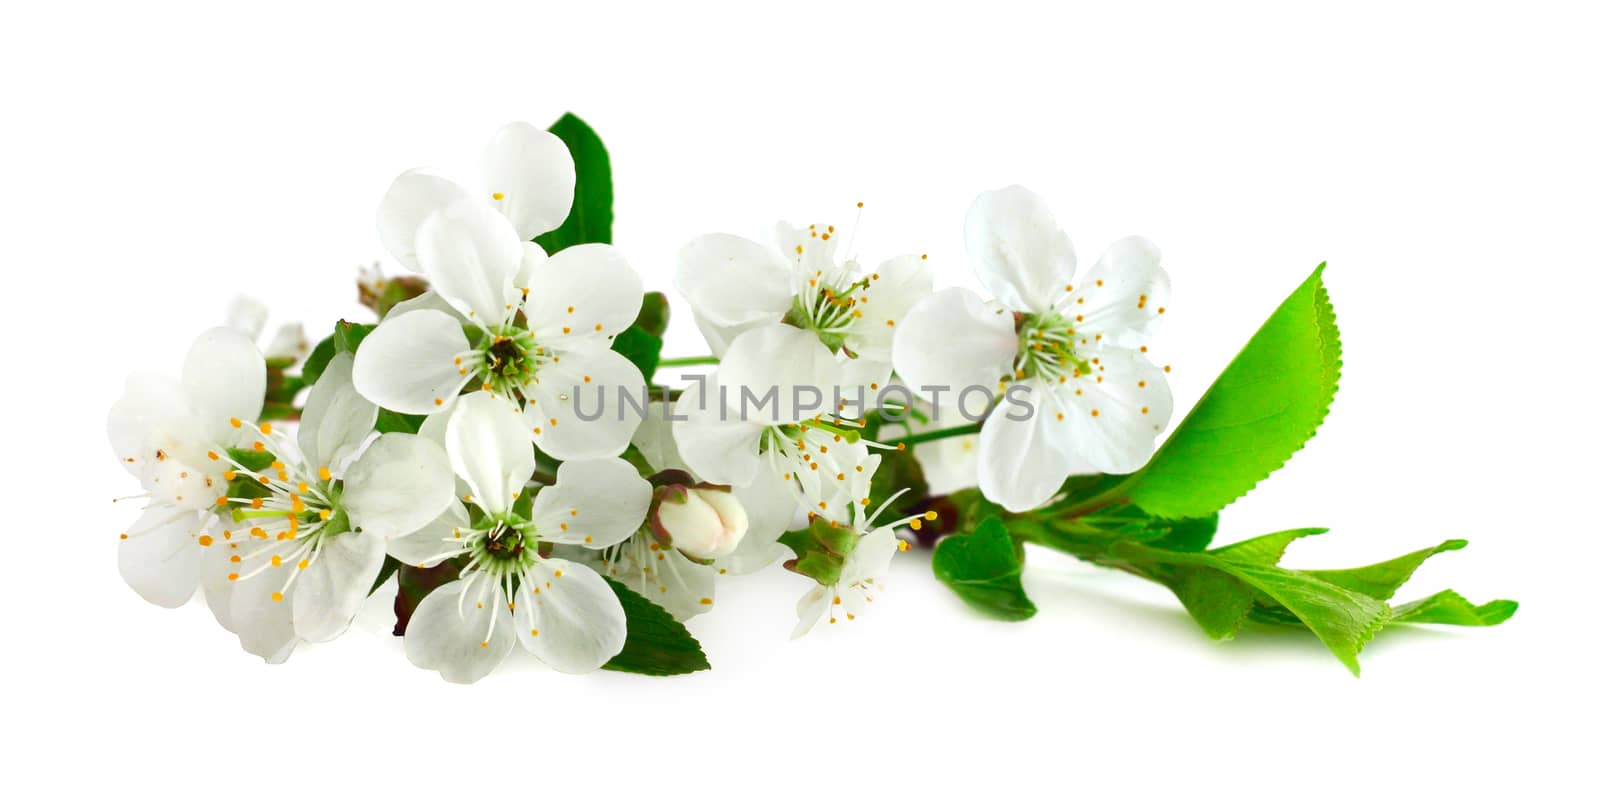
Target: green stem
{"type": "Point", "coordinates": [943, 433]}
{"type": "Point", "coordinates": [686, 362]}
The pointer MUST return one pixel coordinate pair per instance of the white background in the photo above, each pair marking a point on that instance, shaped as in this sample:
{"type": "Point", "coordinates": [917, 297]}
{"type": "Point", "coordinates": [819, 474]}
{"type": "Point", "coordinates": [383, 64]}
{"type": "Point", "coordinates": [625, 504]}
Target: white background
{"type": "Point", "coordinates": [157, 160]}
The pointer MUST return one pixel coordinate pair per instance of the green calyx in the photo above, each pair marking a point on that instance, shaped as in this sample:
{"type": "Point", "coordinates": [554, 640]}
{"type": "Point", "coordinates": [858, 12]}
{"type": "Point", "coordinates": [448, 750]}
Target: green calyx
{"type": "Point", "coordinates": [1045, 349]}
{"type": "Point", "coordinates": [820, 549]}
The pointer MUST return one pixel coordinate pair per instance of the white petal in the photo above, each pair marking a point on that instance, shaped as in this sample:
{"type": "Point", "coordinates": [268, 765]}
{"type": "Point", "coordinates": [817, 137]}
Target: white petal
{"type": "Point", "coordinates": [784, 361]}
{"type": "Point", "coordinates": [336, 419]}
{"type": "Point", "coordinates": [890, 294]}
{"type": "Point", "coordinates": [470, 253]}
{"type": "Point", "coordinates": [265, 626]}
{"type": "Point", "coordinates": [810, 609]}
{"type": "Point", "coordinates": [215, 568]}
{"type": "Point", "coordinates": [224, 377]}
{"type": "Point", "coordinates": [716, 446]}
{"type": "Point", "coordinates": [424, 546]}
{"type": "Point", "coordinates": [870, 559]}
{"type": "Point", "coordinates": [427, 300]}
{"type": "Point", "coordinates": [771, 507]}
{"type": "Point", "coordinates": [731, 280]}
{"type": "Point", "coordinates": [161, 556]}
{"type": "Point", "coordinates": [247, 315]}
{"type": "Point", "coordinates": [288, 343]}
{"type": "Point", "coordinates": [1017, 249]}
{"type": "Point", "coordinates": [533, 257]}
{"type": "Point", "coordinates": [151, 406]}
{"type": "Point", "coordinates": [595, 503]}
{"type": "Point", "coordinates": [590, 379]}
{"type": "Point", "coordinates": [491, 449]}
{"type": "Point", "coordinates": [1112, 426]}
{"type": "Point", "coordinates": [953, 340]}
{"type": "Point", "coordinates": [1021, 463]}
{"type": "Point", "coordinates": [530, 178]}
{"type": "Point", "coordinates": [568, 617]}
{"type": "Point", "coordinates": [412, 198]}
{"type": "Point", "coordinates": [455, 637]}
{"type": "Point", "coordinates": [719, 336]}
{"type": "Point", "coordinates": [1124, 295]}
{"type": "Point", "coordinates": [329, 592]}
{"type": "Point", "coordinates": [408, 364]}
{"type": "Point", "coordinates": [586, 290]}
{"type": "Point", "coordinates": [679, 585]}
{"type": "Point", "coordinates": [654, 439]}
{"type": "Point", "coordinates": [400, 483]}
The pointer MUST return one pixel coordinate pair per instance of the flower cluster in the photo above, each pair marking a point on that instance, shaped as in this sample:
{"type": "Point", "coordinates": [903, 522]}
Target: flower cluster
{"type": "Point", "coordinates": [498, 442]}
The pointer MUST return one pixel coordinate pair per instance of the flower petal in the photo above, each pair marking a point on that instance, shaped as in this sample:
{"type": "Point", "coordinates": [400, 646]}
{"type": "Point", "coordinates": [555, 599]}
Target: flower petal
{"type": "Point", "coordinates": [408, 364]}
{"type": "Point", "coordinates": [491, 449]}
{"type": "Point", "coordinates": [410, 199]}
{"type": "Point", "coordinates": [730, 280]}
{"type": "Point", "coordinates": [452, 635]}
{"type": "Point", "coordinates": [224, 377]}
{"type": "Point", "coordinates": [330, 590]}
{"type": "Point", "coordinates": [770, 505]}
{"type": "Point", "coordinates": [1124, 295]}
{"type": "Point", "coordinates": [470, 253]}
{"type": "Point", "coordinates": [161, 558]}
{"type": "Point", "coordinates": [785, 362]}
{"type": "Point", "coordinates": [654, 439]}
{"type": "Point", "coordinates": [427, 300]}
{"type": "Point", "coordinates": [1112, 426]}
{"type": "Point", "coordinates": [400, 483]}
{"type": "Point", "coordinates": [425, 546]}
{"type": "Point", "coordinates": [809, 610]}
{"type": "Point", "coordinates": [151, 406]}
{"type": "Point", "coordinates": [890, 294]}
{"type": "Point", "coordinates": [595, 503]}
{"type": "Point", "coordinates": [247, 315]}
{"type": "Point", "coordinates": [265, 626]}
{"type": "Point", "coordinates": [336, 419]}
{"type": "Point", "coordinates": [568, 617]}
{"type": "Point", "coordinates": [716, 445]}
{"type": "Point", "coordinates": [719, 336]}
{"type": "Point", "coordinates": [586, 290]}
{"type": "Point", "coordinates": [530, 177]}
{"type": "Point", "coordinates": [1017, 249]}
{"type": "Point", "coordinates": [591, 379]}
{"type": "Point", "coordinates": [952, 340]}
{"type": "Point", "coordinates": [1022, 462]}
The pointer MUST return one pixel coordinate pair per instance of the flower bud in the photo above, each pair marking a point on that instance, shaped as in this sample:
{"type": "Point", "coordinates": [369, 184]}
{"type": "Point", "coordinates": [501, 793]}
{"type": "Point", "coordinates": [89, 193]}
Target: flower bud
{"type": "Point", "coordinates": [701, 522]}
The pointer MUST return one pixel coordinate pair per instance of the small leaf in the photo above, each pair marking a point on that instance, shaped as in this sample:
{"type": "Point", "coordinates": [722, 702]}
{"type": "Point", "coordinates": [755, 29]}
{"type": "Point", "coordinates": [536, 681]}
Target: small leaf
{"type": "Point", "coordinates": [983, 570]}
{"type": "Point", "coordinates": [641, 348]}
{"type": "Point", "coordinates": [657, 644]}
{"type": "Point", "coordinates": [590, 218]}
{"type": "Point", "coordinates": [1450, 608]}
{"type": "Point", "coordinates": [347, 336]}
{"type": "Point", "coordinates": [317, 361]}
{"type": "Point", "coordinates": [1384, 579]}
{"type": "Point", "coordinates": [391, 565]}
{"type": "Point", "coordinates": [1263, 408]}
{"type": "Point", "coordinates": [394, 421]}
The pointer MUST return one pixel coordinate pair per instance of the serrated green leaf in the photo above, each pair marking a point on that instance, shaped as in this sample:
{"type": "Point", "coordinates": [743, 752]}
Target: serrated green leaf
{"type": "Point", "coordinates": [590, 218]}
{"type": "Point", "coordinates": [982, 568]}
{"type": "Point", "coordinates": [1383, 579]}
{"type": "Point", "coordinates": [396, 422]}
{"type": "Point", "coordinates": [1449, 608]}
{"type": "Point", "coordinates": [1266, 550]}
{"type": "Point", "coordinates": [657, 644]}
{"type": "Point", "coordinates": [1187, 534]}
{"type": "Point", "coordinates": [641, 348]}
{"type": "Point", "coordinates": [1263, 408]}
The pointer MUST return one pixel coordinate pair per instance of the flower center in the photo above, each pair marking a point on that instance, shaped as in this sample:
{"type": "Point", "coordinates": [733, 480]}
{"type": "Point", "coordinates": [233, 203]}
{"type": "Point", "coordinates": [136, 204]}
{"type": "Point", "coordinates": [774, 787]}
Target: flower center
{"type": "Point", "coordinates": [1045, 349]}
{"type": "Point", "coordinates": [827, 303]}
{"type": "Point", "coordinates": [500, 546]}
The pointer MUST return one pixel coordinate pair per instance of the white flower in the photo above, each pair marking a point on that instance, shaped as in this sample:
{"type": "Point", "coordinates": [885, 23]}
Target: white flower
{"type": "Point", "coordinates": [501, 314]}
{"type": "Point", "coordinates": [174, 435]}
{"type": "Point", "coordinates": [287, 344]}
{"type": "Point", "coordinates": [1073, 345]}
{"type": "Point", "coordinates": [562, 612]}
{"type": "Point", "coordinates": [865, 563]}
{"type": "Point", "coordinates": [701, 522]}
{"type": "Point", "coordinates": [780, 458]}
{"type": "Point", "coordinates": [734, 284]}
{"type": "Point", "coordinates": [298, 558]}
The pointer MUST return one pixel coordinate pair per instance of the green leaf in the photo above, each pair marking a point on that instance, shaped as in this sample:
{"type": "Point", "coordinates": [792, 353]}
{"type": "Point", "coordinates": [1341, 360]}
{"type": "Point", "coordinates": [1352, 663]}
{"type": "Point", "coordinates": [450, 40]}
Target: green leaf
{"type": "Point", "coordinates": [1263, 408]}
{"type": "Point", "coordinates": [391, 565]}
{"type": "Point", "coordinates": [654, 313]}
{"type": "Point", "coordinates": [394, 421]}
{"type": "Point", "coordinates": [253, 460]}
{"type": "Point", "coordinates": [347, 336]}
{"type": "Point", "coordinates": [590, 219]}
{"type": "Point", "coordinates": [641, 348]}
{"type": "Point", "coordinates": [1450, 608]}
{"type": "Point", "coordinates": [1265, 550]}
{"type": "Point", "coordinates": [317, 361]}
{"type": "Point", "coordinates": [657, 644]}
{"type": "Point", "coordinates": [982, 568]}
{"type": "Point", "coordinates": [1382, 580]}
